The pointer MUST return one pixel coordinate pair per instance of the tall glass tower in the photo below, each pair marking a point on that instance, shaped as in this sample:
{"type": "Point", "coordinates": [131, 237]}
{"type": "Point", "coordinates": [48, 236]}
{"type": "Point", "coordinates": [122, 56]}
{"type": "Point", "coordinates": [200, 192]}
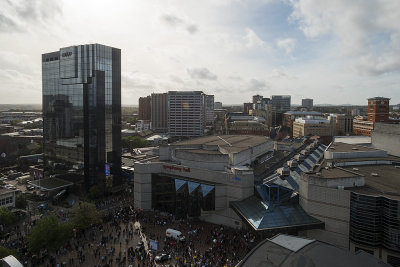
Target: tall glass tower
{"type": "Point", "coordinates": [82, 114]}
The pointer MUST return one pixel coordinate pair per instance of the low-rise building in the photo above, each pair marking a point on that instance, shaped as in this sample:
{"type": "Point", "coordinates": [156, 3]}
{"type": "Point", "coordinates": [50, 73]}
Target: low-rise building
{"type": "Point", "coordinates": [291, 251]}
{"type": "Point", "coordinates": [355, 192]}
{"type": "Point", "coordinates": [309, 126]}
{"type": "Point", "coordinates": [7, 197]}
{"type": "Point", "coordinates": [143, 125]}
{"type": "Point", "coordinates": [290, 116]}
{"type": "Point", "coordinates": [342, 124]}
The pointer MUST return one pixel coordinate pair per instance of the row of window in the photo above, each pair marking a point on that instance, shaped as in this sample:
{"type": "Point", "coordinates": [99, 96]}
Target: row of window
{"type": "Point", "coordinates": [5, 201]}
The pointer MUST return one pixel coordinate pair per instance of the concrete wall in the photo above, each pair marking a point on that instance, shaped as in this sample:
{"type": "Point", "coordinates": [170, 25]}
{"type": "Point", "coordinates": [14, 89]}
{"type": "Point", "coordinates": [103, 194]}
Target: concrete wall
{"type": "Point", "coordinates": [332, 206]}
{"type": "Point", "coordinates": [250, 154]}
{"type": "Point", "coordinates": [334, 183]}
{"type": "Point", "coordinates": [387, 137]}
{"type": "Point", "coordinates": [355, 154]}
{"type": "Point", "coordinates": [215, 162]}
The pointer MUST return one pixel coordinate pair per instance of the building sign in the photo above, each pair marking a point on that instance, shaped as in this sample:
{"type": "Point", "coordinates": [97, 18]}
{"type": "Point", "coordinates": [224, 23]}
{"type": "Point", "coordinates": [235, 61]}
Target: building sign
{"type": "Point", "coordinates": [66, 54]}
{"type": "Point", "coordinates": [153, 245]}
{"type": "Point", "coordinates": [176, 168]}
{"type": "Point", "coordinates": [107, 170]}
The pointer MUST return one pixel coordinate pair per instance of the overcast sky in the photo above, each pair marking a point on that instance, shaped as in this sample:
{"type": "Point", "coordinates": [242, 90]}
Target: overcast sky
{"type": "Point", "coordinates": [334, 51]}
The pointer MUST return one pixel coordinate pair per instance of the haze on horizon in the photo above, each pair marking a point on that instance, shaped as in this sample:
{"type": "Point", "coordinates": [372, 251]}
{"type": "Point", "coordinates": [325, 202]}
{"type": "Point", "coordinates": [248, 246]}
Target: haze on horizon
{"type": "Point", "coordinates": [336, 52]}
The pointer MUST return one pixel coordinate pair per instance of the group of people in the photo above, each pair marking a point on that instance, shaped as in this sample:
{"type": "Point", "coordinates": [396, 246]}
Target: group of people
{"type": "Point", "coordinates": [115, 241]}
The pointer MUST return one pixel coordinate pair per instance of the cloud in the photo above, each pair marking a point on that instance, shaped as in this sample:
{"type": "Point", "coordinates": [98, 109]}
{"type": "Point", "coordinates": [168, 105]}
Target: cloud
{"type": "Point", "coordinates": [172, 20]}
{"type": "Point", "coordinates": [136, 80]}
{"type": "Point", "coordinates": [252, 39]}
{"type": "Point", "coordinates": [287, 44]}
{"type": "Point", "coordinates": [192, 28]}
{"type": "Point", "coordinates": [257, 85]}
{"type": "Point", "coordinates": [364, 31]}
{"type": "Point", "coordinates": [19, 15]}
{"type": "Point", "coordinates": [175, 21]}
{"type": "Point", "coordinates": [7, 24]}
{"type": "Point", "coordinates": [201, 73]}
{"type": "Point", "coordinates": [176, 79]}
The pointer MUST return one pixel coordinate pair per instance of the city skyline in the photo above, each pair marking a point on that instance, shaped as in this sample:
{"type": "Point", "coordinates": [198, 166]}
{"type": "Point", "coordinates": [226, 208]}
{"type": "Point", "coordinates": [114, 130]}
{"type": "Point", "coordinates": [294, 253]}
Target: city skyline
{"type": "Point", "coordinates": [334, 53]}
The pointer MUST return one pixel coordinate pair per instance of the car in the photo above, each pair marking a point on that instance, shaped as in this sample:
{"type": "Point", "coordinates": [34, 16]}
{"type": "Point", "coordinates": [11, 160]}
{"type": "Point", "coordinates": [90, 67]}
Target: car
{"type": "Point", "coordinates": [162, 257]}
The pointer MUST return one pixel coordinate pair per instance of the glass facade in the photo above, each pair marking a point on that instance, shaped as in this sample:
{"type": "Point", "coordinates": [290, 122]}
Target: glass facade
{"type": "Point", "coordinates": [82, 113]}
{"type": "Point", "coordinates": [280, 105]}
{"type": "Point", "coordinates": [375, 221]}
{"type": "Point", "coordinates": [181, 197]}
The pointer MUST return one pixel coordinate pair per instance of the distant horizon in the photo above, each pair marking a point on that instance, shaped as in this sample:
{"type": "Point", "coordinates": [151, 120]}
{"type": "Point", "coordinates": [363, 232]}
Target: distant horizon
{"type": "Point", "coordinates": [241, 104]}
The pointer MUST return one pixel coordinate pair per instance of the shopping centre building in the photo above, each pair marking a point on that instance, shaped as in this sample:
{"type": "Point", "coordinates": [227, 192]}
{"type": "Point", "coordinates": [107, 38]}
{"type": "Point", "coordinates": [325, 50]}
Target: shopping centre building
{"type": "Point", "coordinates": [200, 177]}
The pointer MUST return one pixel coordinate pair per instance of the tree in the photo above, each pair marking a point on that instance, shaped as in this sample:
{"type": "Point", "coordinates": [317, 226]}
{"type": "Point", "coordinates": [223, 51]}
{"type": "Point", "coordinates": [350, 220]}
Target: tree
{"type": "Point", "coordinates": [7, 217]}
{"type": "Point", "coordinates": [48, 233]}
{"type": "Point", "coordinates": [134, 142]}
{"type": "Point", "coordinates": [20, 202]}
{"type": "Point", "coordinates": [85, 215]}
{"type": "Point", "coordinates": [138, 142]}
{"type": "Point", "coordinates": [4, 252]}
{"type": "Point", "coordinates": [95, 192]}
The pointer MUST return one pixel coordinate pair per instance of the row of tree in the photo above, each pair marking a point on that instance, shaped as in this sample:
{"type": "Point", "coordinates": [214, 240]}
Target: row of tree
{"type": "Point", "coordinates": [134, 142]}
{"type": "Point", "coordinates": [49, 232]}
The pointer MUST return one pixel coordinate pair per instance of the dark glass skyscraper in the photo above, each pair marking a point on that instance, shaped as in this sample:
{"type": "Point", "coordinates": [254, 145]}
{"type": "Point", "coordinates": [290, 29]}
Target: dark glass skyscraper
{"type": "Point", "coordinates": [82, 113]}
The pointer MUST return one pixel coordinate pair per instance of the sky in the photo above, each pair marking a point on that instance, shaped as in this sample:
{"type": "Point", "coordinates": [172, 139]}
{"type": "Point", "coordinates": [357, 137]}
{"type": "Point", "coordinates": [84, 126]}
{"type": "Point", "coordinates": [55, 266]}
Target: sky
{"type": "Point", "coordinates": [336, 52]}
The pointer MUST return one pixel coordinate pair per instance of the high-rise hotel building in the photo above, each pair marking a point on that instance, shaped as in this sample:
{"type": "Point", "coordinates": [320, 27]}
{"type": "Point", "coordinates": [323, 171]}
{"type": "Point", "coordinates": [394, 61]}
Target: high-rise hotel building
{"type": "Point", "coordinates": [82, 113]}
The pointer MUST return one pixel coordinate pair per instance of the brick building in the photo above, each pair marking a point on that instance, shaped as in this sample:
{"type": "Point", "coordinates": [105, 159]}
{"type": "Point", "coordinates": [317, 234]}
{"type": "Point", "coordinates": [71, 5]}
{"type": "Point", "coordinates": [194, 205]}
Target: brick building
{"type": "Point", "coordinates": [378, 111]}
{"type": "Point", "coordinates": [145, 108]}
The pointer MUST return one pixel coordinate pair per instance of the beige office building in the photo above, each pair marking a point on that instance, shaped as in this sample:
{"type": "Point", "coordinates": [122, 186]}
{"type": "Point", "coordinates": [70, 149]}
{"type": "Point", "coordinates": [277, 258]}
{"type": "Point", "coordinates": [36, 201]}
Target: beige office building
{"type": "Point", "coordinates": [312, 126]}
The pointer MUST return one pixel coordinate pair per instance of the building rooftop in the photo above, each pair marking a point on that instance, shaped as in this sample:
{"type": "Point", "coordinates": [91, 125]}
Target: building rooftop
{"type": "Point", "coordinates": [313, 120]}
{"type": "Point", "coordinates": [343, 147]}
{"type": "Point", "coordinates": [231, 143]}
{"type": "Point", "coordinates": [333, 173]}
{"type": "Point", "coordinates": [291, 251]}
{"type": "Point", "coordinates": [50, 184]}
{"type": "Point", "coordinates": [5, 191]}
{"type": "Point", "coordinates": [353, 140]}
{"type": "Point", "coordinates": [379, 179]}
{"type": "Point", "coordinates": [378, 98]}
{"type": "Point", "coordinates": [261, 216]}
{"type": "Point", "coordinates": [316, 113]}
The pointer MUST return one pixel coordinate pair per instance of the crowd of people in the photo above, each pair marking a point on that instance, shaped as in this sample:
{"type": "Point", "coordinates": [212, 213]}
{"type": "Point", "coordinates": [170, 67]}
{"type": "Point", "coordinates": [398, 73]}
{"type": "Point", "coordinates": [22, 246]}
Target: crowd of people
{"type": "Point", "coordinates": [117, 240]}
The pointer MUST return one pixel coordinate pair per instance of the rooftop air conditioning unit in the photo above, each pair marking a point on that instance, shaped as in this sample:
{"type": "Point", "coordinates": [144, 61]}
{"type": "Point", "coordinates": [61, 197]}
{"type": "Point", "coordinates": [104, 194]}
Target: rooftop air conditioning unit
{"type": "Point", "coordinates": [340, 187]}
{"type": "Point", "coordinates": [355, 169]}
{"type": "Point", "coordinates": [374, 174]}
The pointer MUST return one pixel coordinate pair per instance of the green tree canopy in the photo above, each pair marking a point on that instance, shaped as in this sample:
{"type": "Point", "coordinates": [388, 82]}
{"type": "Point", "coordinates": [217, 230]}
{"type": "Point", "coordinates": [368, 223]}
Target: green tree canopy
{"type": "Point", "coordinates": [134, 142]}
{"type": "Point", "coordinates": [84, 215]}
{"type": "Point", "coordinates": [4, 252]}
{"type": "Point", "coordinates": [20, 202]}
{"type": "Point", "coordinates": [7, 217]}
{"type": "Point", "coordinates": [48, 233]}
